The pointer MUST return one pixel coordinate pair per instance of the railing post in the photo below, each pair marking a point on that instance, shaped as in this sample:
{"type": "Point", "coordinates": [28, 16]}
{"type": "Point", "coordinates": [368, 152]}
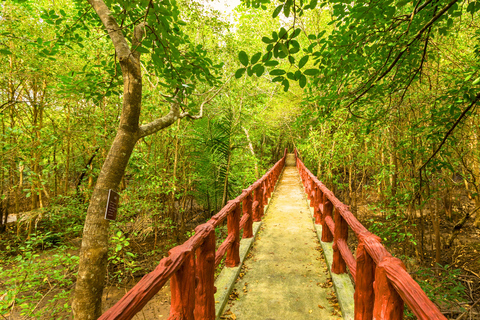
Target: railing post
{"type": "Point", "coordinates": [247, 209]}
{"type": "Point", "coordinates": [327, 212]}
{"type": "Point", "coordinates": [388, 304]}
{"type": "Point", "coordinates": [265, 193]}
{"type": "Point", "coordinates": [257, 201]}
{"type": "Point", "coordinates": [341, 233]}
{"type": "Point", "coordinates": [233, 226]}
{"type": "Point", "coordinates": [182, 286]}
{"type": "Point", "coordinates": [313, 193]}
{"type": "Point", "coordinates": [318, 201]}
{"type": "Point", "coordinates": [364, 295]}
{"type": "Point", "coordinates": [205, 270]}
{"type": "Point", "coordinates": [261, 204]}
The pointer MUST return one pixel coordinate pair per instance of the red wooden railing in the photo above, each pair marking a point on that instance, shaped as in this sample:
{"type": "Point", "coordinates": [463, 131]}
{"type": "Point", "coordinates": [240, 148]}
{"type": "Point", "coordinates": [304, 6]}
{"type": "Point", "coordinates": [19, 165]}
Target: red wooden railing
{"type": "Point", "coordinates": [382, 285]}
{"type": "Point", "coordinates": [191, 266]}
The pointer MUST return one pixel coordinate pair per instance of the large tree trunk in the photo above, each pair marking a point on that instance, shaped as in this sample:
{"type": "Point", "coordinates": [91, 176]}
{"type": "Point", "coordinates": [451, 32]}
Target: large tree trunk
{"type": "Point", "coordinates": [93, 254]}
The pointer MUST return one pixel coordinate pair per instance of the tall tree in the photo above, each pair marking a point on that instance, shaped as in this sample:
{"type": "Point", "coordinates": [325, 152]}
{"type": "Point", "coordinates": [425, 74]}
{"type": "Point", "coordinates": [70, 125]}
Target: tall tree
{"type": "Point", "coordinates": [156, 28]}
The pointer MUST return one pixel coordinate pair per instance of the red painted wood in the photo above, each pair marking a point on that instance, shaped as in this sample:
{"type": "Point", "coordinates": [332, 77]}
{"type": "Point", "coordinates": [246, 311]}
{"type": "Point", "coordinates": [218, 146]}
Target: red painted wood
{"type": "Point", "coordinates": [341, 234]}
{"type": "Point", "coordinates": [265, 192]}
{"type": "Point", "coordinates": [233, 226]}
{"type": "Point", "coordinates": [182, 285]}
{"type": "Point", "coordinates": [317, 211]}
{"type": "Point", "coordinates": [243, 221]}
{"type": "Point", "coordinates": [261, 203]}
{"type": "Point", "coordinates": [410, 291]}
{"type": "Point", "coordinates": [392, 281]}
{"type": "Point", "coordinates": [145, 289]}
{"type": "Point", "coordinates": [222, 250]}
{"type": "Point", "coordinates": [256, 211]}
{"type": "Point", "coordinates": [347, 257]}
{"type": "Point", "coordinates": [364, 295]}
{"type": "Point", "coordinates": [327, 226]}
{"type": "Point", "coordinates": [205, 277]}
{"type": "Point", "coordinates": [388, 304]}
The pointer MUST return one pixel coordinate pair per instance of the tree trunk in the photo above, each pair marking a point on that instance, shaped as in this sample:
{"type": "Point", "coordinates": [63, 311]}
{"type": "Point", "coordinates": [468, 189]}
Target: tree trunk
{"type": "Point", "coordinates": [225, 183]}
{"type": "Point", "coordinates": [87, 303]}
{"type": "Point", "coordinates": [93, 254]}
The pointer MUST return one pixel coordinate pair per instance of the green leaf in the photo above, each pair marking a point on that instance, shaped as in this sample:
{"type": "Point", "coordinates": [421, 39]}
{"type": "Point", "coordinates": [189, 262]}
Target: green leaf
{"type": "Point", "coordinates": [303, 81]}
{"type": "Point", "coordinates": [243, 57]}
{"type": "Point", "coordinates": [267, 40]}
{"type": "Point", "coordinates": [277, 72]}
{"type": "Point", "coordinates": [284, 49]}
{"type": "Point", "coordinates": [313, 4]}
{"type": "Point", "coordinates": [303, 61]}
{"type": "Point", "coordinates": [286, 9]}
{"type": "Point", "coordinates": [311, 72]}
{"type": "Point", "coordinates": [142, 50]}
{"type": "Point", "coordinates": [256, 57]}
{"type": "Point", "coordinates": [291, 59]}
{"type": "Point", "coordinates": [267, 56]}
{"type": "Point", "coordinates": [476, 81]}
{"type": "Point", "coordinates": [5, 51]}
{"type": "Point", "coordinates": [272, 63]}
{"type": "Point", "coordinates": [278, 79]}
{"type": "Point", "coordinates": [260, 70]}
{"type": "Point", "coordinates": [239, 73]}
{"type": "Point", "coordinates": [277, 11]}
{"type": "Point", "coordinates": [286, 85]}
{"type": "Point", "coordinates": [294, 50]}
{"type": "Point", "coordinates": [295, 33]}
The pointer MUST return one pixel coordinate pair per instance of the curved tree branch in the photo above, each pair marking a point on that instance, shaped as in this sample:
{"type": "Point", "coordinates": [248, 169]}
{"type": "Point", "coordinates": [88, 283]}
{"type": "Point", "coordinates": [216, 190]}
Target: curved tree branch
{"type": "Point", "coordinates": [113, 29]}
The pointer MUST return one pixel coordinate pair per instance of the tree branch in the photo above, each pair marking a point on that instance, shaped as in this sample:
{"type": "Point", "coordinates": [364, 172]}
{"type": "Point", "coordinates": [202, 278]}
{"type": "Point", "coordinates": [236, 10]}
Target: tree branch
{"type": "Point", "coordinates": [451, 130]}
{"type": "Point", "coordinates": [113, 29]}
{"type": "Point", "coordinates": [200, 113]}
{"type": "Point", "coordinates": [163, 122]}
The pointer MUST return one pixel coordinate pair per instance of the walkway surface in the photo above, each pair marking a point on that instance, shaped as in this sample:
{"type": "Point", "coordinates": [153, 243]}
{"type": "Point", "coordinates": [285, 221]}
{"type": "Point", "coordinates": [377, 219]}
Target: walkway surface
{"type": "Point", "coordinates": [285, 275]}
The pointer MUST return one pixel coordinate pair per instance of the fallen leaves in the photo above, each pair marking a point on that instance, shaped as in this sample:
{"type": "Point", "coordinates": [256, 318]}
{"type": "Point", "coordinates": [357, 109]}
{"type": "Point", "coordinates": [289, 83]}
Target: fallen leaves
{"type": "Point", "coordinates": [229, 315]}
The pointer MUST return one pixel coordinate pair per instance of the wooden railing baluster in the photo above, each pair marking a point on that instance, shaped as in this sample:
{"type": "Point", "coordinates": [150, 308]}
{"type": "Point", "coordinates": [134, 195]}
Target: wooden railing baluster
{"type": "Point", "coordinates": [247, 210]}
{"type": "Point", "coordinates": [233, 226]}
{"type": "Point", "coordinates": [364, 296]}
{"type": "Point", "coordinates": [256, 207]}
{"type": "Point", "coordinates": [388, 304]}
{"type": "Point", "coordinates": [317, 213]}
{"type": "Point", "coordinates": [182, 286]}
{"type": "Point", "coordinates": [327, 235]}
{"type": "Point", "coordinates": [205, 277]}
{"type": "Point", "coordinates": [341, 233]}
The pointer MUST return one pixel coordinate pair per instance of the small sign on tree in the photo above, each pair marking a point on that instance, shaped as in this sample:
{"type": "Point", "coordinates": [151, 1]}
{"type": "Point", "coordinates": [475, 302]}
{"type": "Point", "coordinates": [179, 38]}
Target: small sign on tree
{"type": "Point", "coordinates": [112, 205]}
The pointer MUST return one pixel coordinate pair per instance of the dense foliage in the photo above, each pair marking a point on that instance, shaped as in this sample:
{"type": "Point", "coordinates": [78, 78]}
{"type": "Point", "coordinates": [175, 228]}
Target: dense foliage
{"type": "Point", "coordinates": [379, 98]}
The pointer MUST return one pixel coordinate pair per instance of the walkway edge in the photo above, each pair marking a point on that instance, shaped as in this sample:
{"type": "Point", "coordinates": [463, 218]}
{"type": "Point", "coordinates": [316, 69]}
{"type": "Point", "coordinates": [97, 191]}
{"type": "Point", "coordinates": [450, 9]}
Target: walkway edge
{"type": "Point", "coordinates": [342, 283]}
{"type": "Point", "coordinates": [226, 280]}
{"type": "Point", "coordinates": [227, 277]}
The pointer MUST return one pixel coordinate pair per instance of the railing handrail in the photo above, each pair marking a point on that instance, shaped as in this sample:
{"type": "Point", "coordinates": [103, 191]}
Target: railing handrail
{"type": "Point", "coordinates": [393, 285]}
{"type": "Point", "coordinates": [192, 282]}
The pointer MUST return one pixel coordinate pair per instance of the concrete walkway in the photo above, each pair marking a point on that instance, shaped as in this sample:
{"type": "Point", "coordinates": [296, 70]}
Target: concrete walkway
{"type": "Point", "coordinates": [285, 275]}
